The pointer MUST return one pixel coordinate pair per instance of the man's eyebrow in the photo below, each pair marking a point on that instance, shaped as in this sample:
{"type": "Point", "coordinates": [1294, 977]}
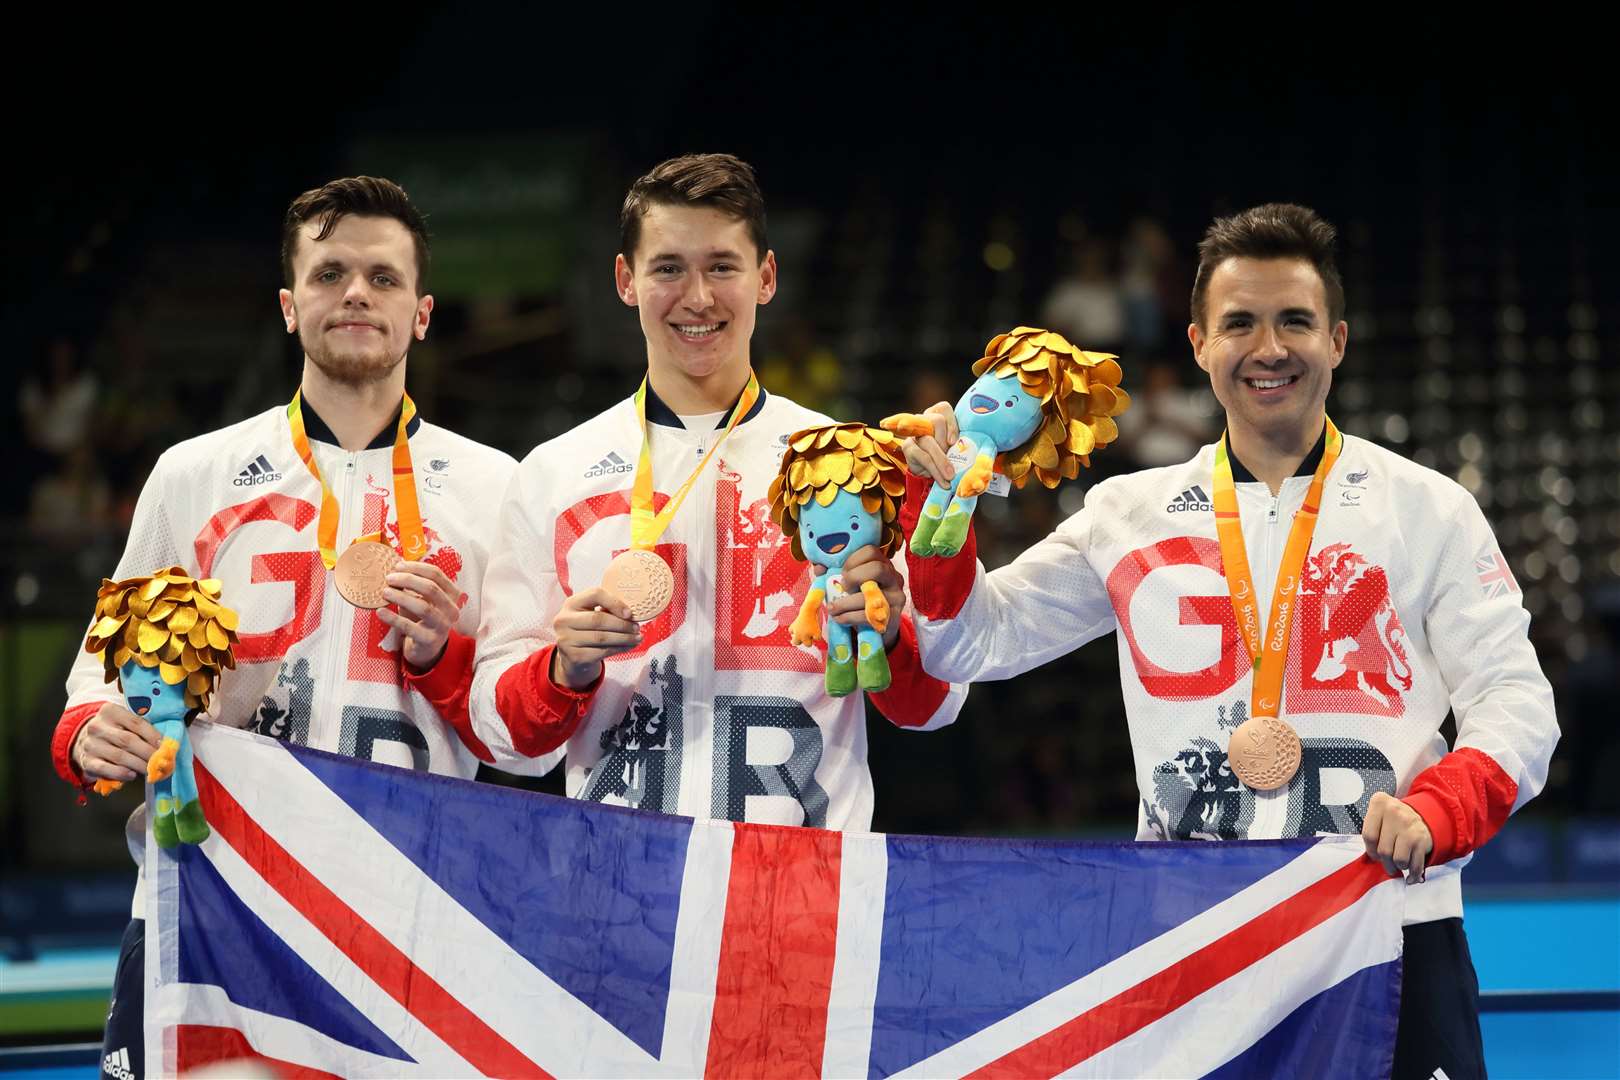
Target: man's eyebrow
{"type": "Point", "coordinates": [717, 253]}
{"type": "Point", "coordinates": [1297, 312]}
{"type": "Point", "coordinates": [339, 264]}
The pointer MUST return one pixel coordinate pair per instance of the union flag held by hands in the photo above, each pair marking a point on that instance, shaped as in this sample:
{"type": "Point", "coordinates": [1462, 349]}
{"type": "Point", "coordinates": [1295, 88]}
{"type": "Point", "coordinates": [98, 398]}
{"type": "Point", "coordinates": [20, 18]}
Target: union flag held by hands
{"type": "Point", "coordinates": [352, 919]}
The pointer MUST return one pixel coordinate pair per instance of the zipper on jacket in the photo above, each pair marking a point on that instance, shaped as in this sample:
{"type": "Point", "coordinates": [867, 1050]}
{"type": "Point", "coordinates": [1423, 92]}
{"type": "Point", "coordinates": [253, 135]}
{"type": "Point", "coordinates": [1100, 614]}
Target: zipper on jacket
{"type": "Point", "coordinates": [335, 607]}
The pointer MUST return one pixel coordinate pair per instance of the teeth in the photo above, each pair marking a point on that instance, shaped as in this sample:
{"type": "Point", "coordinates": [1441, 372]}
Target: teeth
{"type": "Point", "coordinates": [698, 331]}
{"type": "Point", "coordinates": [1268, 384]}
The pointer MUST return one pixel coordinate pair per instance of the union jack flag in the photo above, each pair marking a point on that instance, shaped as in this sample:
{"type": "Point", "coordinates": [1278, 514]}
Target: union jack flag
{"type": "Point", "coordinates": [352, 919]}
{"type": "Point", "coordinates": [1494, 576]}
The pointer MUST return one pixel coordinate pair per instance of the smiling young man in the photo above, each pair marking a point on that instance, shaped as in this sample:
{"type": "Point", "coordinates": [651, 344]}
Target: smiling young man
{"type": "Point", "coordinates": [267, 505]}
{"type": "Point", "coordinates": [707, 709]}
{"type": "Point", "coordinates": [1319, 712]}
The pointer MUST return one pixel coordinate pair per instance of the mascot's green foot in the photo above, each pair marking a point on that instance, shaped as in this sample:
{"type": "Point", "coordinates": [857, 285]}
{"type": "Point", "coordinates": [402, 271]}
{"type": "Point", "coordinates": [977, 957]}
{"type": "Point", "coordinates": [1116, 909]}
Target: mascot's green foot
{"type": "Point", "coordinates": [952, 533]}
{"type": "Point", "coordinates": [163, 824]}
{"type": "Point", "coordinates": [190, 824]}
{"type": "Point", "coordinates": [873, 668]}
{"type": "Point", "coordinates": [922, 537]}
{"type": "Point", "coordinates": [840, 670]}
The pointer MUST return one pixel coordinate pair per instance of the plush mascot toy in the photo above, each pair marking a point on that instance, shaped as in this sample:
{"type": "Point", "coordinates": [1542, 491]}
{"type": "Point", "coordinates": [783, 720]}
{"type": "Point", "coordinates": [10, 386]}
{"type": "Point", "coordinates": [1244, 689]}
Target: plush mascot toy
{"type": "Point", "coordinates": [165, 638]}
{"type": "Point", "coordinates": [1039, 407]}
{"type": "Point", "coordinates": [838, 490]}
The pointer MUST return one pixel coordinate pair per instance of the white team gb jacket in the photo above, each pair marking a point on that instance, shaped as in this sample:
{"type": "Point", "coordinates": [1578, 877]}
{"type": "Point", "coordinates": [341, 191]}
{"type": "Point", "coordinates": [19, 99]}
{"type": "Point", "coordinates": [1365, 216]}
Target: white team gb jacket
{"type": "Point", "coordinates": [1405, 609]}
{"type": "Point", "coordinates": [237, 504]}
{"type": "Point", "coordinates": [717, 714]}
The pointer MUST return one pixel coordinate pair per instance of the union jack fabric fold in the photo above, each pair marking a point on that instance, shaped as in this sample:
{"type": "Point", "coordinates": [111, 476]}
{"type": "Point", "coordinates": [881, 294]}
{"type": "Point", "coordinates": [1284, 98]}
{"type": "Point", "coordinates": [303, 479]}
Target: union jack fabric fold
{"type": "Point", "coordinates": [352, 919]}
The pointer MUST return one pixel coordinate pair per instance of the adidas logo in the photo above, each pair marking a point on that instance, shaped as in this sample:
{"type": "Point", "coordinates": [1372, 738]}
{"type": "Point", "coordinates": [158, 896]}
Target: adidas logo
{"type": "Point", "coordinates": [258, 471]}
{"type": "Point", "coordinates": [116, 1064]}
{"type": "Point", "coordinates": [1193, 498]}
{"type": "Point", "coordinates": [609, 466]}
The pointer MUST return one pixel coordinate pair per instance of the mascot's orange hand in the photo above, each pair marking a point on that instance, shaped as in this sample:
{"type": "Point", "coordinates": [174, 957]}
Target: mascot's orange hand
{"type": "Point", "coordinates": [910, 425]}
{"type": "Point", "coordinates": [161, 767]}
{"type": "Point", "coordinates": [877, 606]}
{"type": "Point", "coordinates": [106, 787]}
{"type": "Point", "coordinates": [806, 629]}
{"type": "Point", "coordinates": [977, 479]}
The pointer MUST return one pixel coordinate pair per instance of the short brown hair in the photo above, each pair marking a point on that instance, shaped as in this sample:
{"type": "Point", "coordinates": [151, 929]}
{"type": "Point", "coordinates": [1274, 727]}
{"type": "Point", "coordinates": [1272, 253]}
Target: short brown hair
{"type": "Point", "coordinates": [721, 181]}
{"type": "Point", "coordinates": [364, 196]}
{"type": "Point", "coordinates": [1272, 231]}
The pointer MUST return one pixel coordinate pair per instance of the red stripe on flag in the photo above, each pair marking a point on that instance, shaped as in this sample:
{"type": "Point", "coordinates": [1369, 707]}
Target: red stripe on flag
{"type": "Point", "coordinates": [374, 954]}
{"type": "Point", "coordinates": [1128, 1012]}
{"type": "Point", "coordinates": [197, 1045]}
{"type": "Point", "coordinates": [776, 953]}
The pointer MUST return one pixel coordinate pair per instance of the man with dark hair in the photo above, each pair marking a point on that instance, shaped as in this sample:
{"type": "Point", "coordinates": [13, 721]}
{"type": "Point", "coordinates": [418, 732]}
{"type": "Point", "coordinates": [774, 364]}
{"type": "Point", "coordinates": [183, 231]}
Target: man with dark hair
{"type": "Point", "coordinates": [1296, 612]}
{"type": "Point", "coordinates": [268, 504]}
{"type": "Point", "coordinates": [708, 708]}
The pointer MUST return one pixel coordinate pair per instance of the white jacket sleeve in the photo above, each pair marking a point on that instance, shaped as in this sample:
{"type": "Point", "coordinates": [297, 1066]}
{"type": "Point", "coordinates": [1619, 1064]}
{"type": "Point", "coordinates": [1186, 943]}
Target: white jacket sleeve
{"type": "Point", "coordinates": [1047, 602]}
{"type": "Point", "coordinates": [521, 595]}
{"type": "Point", "coordinates": [150, 546]}
{"type": "Point", "coordinates": [1479, 632]}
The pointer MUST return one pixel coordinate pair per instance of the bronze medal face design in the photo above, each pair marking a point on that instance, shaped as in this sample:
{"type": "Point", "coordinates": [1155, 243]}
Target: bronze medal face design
{"type": "Point", "coordinates": [642, 580]}
{"type": "Point", "coordinates": [362, 571]}
{"type": "Point", "coordinates": [1264, 753]}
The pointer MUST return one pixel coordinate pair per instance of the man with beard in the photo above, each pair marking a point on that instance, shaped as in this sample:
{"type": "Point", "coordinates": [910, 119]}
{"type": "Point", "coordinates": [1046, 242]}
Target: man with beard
{"type": "Point", "coordinates": [267, 505]}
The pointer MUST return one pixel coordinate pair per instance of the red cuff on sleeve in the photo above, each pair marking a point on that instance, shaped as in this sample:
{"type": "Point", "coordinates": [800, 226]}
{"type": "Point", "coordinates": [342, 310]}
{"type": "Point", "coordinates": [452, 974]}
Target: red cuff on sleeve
{"type": "Point", "coordinates": [539, 714]}
{"type": "Point", "coordinates": [447, 686]}
{"type": "Point", "coordinates": [1464, 798]}
{"type": "Point", "coordinates": [913, 695]}
{"type": "Point", "coordinates": [939, 586]}
{"type": "Point", "coordinates": [67, 729]}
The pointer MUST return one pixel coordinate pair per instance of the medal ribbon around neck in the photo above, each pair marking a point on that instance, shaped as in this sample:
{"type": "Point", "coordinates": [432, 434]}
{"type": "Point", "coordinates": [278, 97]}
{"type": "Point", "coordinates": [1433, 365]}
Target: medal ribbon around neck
{"type": "Point", "coordinates": [1268, 648]}
{"type": "Point", "coordinates": [406, 507]}
{"type": "Point", "coordinates": [645, 526]}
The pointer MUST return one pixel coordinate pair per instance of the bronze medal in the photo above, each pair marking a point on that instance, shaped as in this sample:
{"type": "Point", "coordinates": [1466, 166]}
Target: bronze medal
{"type": "Point", "coordinates": [1264, 753]}
{"type": "Point", "coordinates": [362, 573]}
{"type": "Point", "coordinates": [643, 581]}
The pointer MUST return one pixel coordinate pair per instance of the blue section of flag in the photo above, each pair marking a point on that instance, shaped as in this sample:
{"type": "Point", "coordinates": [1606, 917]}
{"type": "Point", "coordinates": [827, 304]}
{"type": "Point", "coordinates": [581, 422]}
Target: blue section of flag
{"type": "Point", "coordinates": [587, 894]}
{"type": "Point", "coordinates": [975, 930]}
{"type": "Point", "coordinates": [1347, 1031]}
{"type": "Point", "coordinates": [223, 943]}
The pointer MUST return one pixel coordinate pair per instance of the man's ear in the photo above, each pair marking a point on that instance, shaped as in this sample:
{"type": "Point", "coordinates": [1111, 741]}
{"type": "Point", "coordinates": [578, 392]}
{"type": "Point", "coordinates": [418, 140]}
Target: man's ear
{"type": "Point", "coordinates": [624, 280]}
{"type": "Point", "coordinates": [424, 313]}
{"type": "Point", "coordinates": [767, 278]}
{"type": "Point", "coordinates": [289, 313]}
{"type": "Point", "coordinates": [1195, 336]}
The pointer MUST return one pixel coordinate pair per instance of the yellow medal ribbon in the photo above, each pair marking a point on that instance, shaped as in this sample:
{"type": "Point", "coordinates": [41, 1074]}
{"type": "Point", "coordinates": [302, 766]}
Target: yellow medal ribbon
{"type": "Point", "coordinates": [1268, 647]}
{"type": "Point", "coordinates": [645, 526]}
{"type": "Point", "coordinates": [406, 507]}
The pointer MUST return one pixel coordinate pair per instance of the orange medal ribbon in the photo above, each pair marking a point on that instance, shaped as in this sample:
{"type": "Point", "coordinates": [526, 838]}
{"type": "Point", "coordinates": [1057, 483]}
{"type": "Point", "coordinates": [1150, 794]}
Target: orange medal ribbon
{"type": "Point", "coordinates": [406, 508]}
{"type": "Point", "coordinates": [645, 526]}
{"type": "Point", "coordinates": [1268, 647]}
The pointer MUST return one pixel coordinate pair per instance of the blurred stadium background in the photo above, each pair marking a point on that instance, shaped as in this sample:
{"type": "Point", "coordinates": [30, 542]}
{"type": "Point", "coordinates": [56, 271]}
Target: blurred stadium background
{"type": "Point", "coordinates": [932, 180]}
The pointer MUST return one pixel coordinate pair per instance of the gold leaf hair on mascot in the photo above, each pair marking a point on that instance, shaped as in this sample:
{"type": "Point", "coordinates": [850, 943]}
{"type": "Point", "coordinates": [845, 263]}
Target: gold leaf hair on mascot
{"type": "Point", "coordinates": [1040, 408]}
{"type": "Point", "coordinates": [164, 639]}
{"type": "Point", "coordinates": [837, 491]}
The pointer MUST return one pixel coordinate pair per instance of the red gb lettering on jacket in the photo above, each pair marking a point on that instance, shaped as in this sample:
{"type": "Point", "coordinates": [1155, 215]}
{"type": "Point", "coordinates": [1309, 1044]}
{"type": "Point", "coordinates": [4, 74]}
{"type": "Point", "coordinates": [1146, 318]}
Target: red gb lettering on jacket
{"type": "Point", "coordinates": [1347, 650]}
{"type": "Point", "coordinates": [368, 660]}
{"type": "Point", "coordinates": [579, 519]}
{"type": "Point", "coordinates": [1163, 568]}
{"type": "Point", "coordinates": [302, 569]}
{"type": "Point", "coordinates": [759, 586]}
